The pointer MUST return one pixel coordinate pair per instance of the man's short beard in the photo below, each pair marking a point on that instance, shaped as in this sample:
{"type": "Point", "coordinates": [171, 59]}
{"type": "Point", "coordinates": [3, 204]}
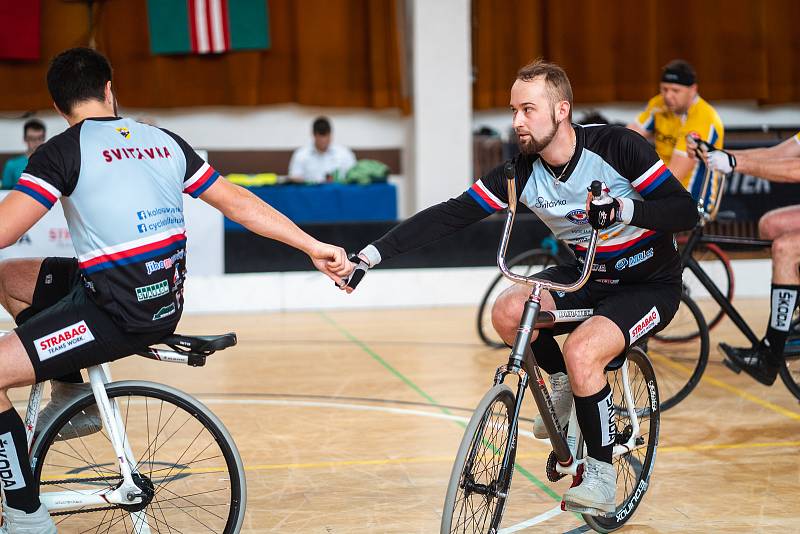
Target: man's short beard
{"type": "Point", "coordinates": [535, 146]}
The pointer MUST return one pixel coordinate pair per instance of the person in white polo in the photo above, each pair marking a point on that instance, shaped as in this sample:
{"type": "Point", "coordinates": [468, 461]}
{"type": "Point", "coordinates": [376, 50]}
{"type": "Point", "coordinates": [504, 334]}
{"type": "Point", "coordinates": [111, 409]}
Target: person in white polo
{"type": "Point", "coordinates": [320, 161]}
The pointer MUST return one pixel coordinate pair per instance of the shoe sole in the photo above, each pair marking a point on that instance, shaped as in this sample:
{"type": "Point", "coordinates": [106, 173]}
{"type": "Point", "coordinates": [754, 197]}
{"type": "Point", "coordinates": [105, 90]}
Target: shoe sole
{"type": "Point", "coordinates": [580, 508]}
{"type": "Point", "coordinates": [730, 364]}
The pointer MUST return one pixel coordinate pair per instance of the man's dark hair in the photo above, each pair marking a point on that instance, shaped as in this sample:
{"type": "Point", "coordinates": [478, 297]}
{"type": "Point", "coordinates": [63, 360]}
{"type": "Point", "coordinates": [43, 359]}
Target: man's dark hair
{"type": "Point", "coordinates": [679, 71]}
{"type": "Point", "coordinates": [33, 124]}
{"type": "Point", "coordinates": [77, 75]}
{"type": "Point", "coordinates": [556, 81]}
{"type": "Point", "coordinates": [322, 126]}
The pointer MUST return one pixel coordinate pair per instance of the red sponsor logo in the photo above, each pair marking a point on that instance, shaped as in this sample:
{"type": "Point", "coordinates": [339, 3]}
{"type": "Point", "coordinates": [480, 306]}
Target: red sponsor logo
{"type": "Point", "coordinates": [645, 325]}
{"type": "Point", "coordinates": [111, 154]}
{"type": "Point", "coordinates": [61, 337]}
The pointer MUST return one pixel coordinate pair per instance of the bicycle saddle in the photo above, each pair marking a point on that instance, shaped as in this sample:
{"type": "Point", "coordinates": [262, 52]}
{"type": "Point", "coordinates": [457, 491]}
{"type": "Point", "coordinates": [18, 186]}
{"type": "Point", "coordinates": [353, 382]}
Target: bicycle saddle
{"type": "Point", "coordinates": [200, 344]}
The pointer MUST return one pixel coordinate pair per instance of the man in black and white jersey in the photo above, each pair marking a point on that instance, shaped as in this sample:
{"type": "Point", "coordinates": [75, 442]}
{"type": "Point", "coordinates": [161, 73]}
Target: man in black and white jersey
{"type": "Point", "coordinates": [121, 184]}
{"type": "Point", "coordinates": [636, 280]}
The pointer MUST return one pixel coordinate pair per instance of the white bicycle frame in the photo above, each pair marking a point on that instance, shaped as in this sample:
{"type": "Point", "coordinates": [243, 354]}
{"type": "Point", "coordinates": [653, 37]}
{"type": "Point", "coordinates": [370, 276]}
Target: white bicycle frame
{"type": "Point", "coordinates": [574, 438]}
{"type": "Point", "coordinates": [128, 493]}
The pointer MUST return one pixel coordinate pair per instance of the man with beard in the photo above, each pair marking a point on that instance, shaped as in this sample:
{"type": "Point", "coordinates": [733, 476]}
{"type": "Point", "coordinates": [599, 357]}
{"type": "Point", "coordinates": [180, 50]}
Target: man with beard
{"type": "Point", "coordinates": [675, 112]}
{"type": "Point", "coordinates": [635, 285]}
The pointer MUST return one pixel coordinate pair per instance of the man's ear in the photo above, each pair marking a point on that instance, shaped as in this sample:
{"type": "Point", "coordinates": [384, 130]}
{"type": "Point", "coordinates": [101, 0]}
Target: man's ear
{"type": "Point", "coordinates": [562, 110]}
{"type": "Point", "coordinates": [109, 95]}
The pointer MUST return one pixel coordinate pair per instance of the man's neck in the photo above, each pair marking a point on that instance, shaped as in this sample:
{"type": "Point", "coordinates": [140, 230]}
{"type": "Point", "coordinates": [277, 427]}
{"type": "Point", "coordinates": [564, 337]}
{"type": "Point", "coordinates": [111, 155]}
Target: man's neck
{"type": "Point", "coordinates": [561, 148]}
{"type": "Point", "coordinates": [89, 110]}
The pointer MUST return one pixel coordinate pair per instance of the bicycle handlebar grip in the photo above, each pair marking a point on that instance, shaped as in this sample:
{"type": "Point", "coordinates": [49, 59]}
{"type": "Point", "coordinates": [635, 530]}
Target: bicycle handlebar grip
{"type": "Point", "coordinates": [508, 170]}
{"type": "Point", "coordinates": [704, 145]}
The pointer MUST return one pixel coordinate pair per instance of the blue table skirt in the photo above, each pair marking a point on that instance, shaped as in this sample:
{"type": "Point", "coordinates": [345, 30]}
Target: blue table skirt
{"type": "Point", "coordinates": [326, 203]}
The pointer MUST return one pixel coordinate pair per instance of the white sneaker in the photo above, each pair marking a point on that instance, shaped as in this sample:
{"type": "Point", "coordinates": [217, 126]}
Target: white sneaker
{"type": "Point", "coordinates": [561, 395]}
{"type": "Point", "coordinates": [596, 494]}
{"type": "Point", "coordinates": [82, 424]}
{"type": "Point", "coordinates": [18, 522]}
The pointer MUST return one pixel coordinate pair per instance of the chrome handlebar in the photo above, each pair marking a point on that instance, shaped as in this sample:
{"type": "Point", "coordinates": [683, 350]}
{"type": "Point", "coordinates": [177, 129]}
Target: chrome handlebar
{"type": "Point", "coordinates": [706, 216]}
{"type": "Point", "coordinates": [529, 280]}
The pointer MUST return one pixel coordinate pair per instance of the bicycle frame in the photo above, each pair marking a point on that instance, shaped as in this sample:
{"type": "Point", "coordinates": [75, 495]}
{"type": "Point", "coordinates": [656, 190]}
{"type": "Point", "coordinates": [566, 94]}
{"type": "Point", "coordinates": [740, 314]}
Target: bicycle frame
{"type": "Point", "coordinates": [128, 493]}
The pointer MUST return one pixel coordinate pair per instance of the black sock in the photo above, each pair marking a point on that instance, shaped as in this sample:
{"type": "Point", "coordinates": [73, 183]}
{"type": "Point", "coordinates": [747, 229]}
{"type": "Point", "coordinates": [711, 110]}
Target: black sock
{"type": "Point", "coordinates": [548, 354]}
{"type": "Point", "coordinates": [15, 468]}
{"type": "Point", "coordinates": [784, 300]}
{"type": "Point", "coordinates": [74, 377]}
{"type": "Point", "coordinates": [596, 419]}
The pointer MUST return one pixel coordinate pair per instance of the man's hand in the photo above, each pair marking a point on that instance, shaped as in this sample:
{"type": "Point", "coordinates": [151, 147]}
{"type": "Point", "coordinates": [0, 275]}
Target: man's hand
{"type": "Point", "coordinates": [721, 161]}
{"type": "Point", "coordinates": [331, 261]}
{"type": "Point", "coordinates": [359, 271]}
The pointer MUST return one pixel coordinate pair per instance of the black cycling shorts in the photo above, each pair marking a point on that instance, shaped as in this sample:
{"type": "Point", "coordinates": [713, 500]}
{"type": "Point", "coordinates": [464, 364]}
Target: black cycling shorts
{"type": "Point", "coordinates": [69, 332]}
{"type": "Point", "coordinates": [638, 309]}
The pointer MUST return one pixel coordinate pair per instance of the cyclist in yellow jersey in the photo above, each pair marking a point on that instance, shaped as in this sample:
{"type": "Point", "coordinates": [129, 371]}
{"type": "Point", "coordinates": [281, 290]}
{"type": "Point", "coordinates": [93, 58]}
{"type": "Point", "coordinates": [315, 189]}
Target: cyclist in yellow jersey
{"type": "Point", "coordinates": [677, 111]}
{"type": "Point", "coordinates": [780, 163]}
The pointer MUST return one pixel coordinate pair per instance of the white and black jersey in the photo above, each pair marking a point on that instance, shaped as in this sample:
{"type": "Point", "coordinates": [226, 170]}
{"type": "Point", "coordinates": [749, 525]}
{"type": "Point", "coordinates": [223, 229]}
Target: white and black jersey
{"type": "Point", "coordinates": [121, 185]}
{"type": "Point", "coordinates": [639, 248]}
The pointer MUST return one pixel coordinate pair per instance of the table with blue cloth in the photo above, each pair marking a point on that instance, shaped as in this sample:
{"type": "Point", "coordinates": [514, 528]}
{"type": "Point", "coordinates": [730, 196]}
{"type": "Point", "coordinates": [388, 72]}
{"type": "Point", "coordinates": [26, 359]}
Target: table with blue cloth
{"type": "Point", "coordinates": [329, 203]}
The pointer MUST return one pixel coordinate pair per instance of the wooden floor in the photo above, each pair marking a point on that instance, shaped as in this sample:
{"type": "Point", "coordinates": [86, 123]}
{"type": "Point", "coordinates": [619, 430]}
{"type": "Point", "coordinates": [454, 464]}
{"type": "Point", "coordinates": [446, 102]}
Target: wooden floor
{"type": "Point", "coordinates": [349, 421]}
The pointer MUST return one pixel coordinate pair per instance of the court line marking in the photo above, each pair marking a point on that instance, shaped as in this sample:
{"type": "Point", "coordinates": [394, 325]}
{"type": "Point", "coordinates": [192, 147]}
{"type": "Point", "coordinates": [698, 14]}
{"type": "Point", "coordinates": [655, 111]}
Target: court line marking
{"type": "Point", "coordinates": [724, 385]}
{"type": "Point", "coordinates": [524, 472]}
{"type": "Point", "coordinates": [541, 518]}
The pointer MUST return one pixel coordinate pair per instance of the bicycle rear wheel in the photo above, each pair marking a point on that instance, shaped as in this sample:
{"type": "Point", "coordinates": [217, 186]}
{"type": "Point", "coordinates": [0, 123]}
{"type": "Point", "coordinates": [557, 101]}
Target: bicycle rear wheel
{"type": "Point", "coordinates": [478, 488]}
{"type": "Point", "coordinates": [680, 359]}
{"type": "Point", "coordinates": [526, 264]}
{"type": "Point", "coordinates": [790, 371]}
{"type": "Point", "coordinates": [186, 463]}
{"type": "Point", "coordinates": [634, 468]}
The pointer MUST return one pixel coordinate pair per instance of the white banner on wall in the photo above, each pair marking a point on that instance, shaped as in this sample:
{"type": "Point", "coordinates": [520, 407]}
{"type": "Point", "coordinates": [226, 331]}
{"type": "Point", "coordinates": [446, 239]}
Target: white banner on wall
{"type": "Point", "coordinates": [204, 231]}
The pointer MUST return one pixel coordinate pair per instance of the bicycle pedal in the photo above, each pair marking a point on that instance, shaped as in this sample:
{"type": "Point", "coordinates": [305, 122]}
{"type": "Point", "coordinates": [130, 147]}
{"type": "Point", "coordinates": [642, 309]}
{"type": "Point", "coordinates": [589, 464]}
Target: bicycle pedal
{"type": "Point", "coordinates": [578, 509]}
{"type": "Point", "coordinates": [727, 362]}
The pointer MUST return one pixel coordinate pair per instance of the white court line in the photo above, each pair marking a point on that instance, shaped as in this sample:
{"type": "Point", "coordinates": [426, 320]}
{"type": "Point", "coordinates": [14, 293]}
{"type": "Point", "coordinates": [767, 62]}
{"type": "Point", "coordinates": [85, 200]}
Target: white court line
{"type": "Point", "coordinates": [541, 518]}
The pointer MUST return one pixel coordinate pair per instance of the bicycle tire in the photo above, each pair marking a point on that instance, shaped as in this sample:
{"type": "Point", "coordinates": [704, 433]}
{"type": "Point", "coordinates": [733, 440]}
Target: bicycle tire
{"type": "Point", "coordinates": [198, 473]}
{"type": "Point", "coordinates": [790, 370]}
{"type": "Point", "coordinates": [680, 364]}
{"type": "Point", "coordinates": [536, 259]}
{"type": "Point", "coordinates": [639, 465]}
{"type": "Point", "coordinates": [466, 458]}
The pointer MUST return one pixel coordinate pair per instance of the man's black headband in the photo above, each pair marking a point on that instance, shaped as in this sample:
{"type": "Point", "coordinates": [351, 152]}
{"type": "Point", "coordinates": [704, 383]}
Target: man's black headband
{"type": "Point", "coordinates": [679, 76]}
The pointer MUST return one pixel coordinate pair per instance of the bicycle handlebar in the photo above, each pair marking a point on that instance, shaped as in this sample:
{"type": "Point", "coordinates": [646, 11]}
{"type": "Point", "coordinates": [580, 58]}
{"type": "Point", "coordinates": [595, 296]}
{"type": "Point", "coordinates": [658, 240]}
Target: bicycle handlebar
{"type": "Point", "coordinates": [508, 170]}
{"type": "Point", "coordinates": [706, 216]}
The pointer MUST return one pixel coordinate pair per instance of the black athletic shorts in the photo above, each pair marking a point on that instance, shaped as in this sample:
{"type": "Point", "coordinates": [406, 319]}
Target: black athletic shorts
{"type": "Point", "coordinates": [639, 310]}
{"type": "Point", "coordinates": [68, 331]}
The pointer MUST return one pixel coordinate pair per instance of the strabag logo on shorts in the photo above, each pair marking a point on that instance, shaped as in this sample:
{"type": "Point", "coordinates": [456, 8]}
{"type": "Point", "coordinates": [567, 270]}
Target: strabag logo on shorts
{"type": "Point", "coordinates": [645, 324]}
{"type": "Point", "coordinates": [10, 473]}
{"type": "Point", "coordinates": [152, 291]}
{"type": "Point", "coordinates": [63, 340]}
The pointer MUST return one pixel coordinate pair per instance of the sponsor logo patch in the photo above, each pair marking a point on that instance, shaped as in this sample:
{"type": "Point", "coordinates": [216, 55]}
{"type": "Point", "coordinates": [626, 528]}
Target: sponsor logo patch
{"type": "Point", "coordinates": [645, 324]}
{"type": "Point", "coordinates": [640, 257]}
{"type": "Point", "coordinates": [783, 301]}
{"type": "Point", "coordinates": [10, 473]}
{"type": "Point", "coordinates": [578, 217]}
{"type": "Point", "coordinates": [608, 280]}
{"type": "Point", "coordinates": [124, 132]}
{"type": "Point", "coordinates": [152, 291]}
{"type": "Point", "coordinates": [166, 263]}
{"type": "Point", "coordinates": [621, 264]}
{"type": "Point", "coordinates": [63, 340]}
{"type": "Point", "coordinates": [165, 311]}
{"type": "Point", "coordinates": [543, 203]}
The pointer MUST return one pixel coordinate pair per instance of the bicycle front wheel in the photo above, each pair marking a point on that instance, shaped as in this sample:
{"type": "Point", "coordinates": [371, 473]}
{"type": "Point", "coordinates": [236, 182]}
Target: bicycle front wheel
{"type": "Point", "coordinates": [478, 488]}
{"type": "Point", "coordinates": [525, 264]}
{"type": "Point", "coordinates": [186, 464]}
{"type": "Point", "coordinates": [680, 359]}
{"type": "Point", "coordinates": [790, 370]}
{"type": "Point", "coordinates": [635, 467]}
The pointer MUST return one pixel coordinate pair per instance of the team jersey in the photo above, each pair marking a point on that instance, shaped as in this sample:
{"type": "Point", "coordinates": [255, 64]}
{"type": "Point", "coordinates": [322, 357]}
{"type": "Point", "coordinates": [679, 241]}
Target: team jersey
{"type": "Point", "coordinates": [797, 137]}
{"type": "Point", "coordinates": [121, 183]}
{"type": "Point", "coordinates": [670, 131]}
{"type": "Point", "coordinates": [639, 248]}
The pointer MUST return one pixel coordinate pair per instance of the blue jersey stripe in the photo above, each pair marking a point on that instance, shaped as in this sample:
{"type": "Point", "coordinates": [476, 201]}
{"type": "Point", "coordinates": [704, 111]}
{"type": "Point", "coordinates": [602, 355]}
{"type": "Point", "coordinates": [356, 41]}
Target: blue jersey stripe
{"type": "Point", "coordinates": [485, 205]}
{"type": "Point", "coordinates": [34, 194]}
{"type": "Point", "coordinates": [133, 259]}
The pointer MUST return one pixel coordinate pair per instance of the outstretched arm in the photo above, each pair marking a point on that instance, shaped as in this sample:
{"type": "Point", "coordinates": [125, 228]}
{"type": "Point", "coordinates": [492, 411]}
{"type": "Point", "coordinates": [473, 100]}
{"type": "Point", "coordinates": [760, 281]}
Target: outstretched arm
{"type": "Point", "coordinates": [242, 206]}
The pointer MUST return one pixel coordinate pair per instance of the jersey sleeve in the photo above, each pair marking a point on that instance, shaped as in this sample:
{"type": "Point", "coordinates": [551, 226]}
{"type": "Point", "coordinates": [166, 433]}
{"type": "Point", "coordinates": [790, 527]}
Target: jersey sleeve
{"type": "Point", "coordinates": [52, 170]}
{"type": "Point", "coordinates": [667, 206]}
{"type": "Point", "coordinates": [705, 123]}
{"type": "Point", "coordinates": [646, 119]}
{"type": "Point", "coordinates": [199, 175]}
{"type": "Point", "coordinates": [486, 196]}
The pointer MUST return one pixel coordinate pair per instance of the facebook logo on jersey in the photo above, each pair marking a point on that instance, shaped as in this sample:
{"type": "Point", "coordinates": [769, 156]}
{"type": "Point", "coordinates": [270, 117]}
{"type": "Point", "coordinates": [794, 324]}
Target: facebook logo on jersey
{"type": "Point", "coordinates": [142, 228]}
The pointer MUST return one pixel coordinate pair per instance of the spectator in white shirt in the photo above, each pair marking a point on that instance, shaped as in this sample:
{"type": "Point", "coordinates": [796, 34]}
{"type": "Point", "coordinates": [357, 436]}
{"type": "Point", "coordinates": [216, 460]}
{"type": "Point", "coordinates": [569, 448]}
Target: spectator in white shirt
{"type": "Point", "coordinates": [320, 161]}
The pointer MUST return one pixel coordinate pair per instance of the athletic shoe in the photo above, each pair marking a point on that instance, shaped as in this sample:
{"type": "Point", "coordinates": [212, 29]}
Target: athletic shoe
{"type": "Point", "coordinates": [756, 361]}
{"type": "Point", "coordinates": [18, 522]}
{"type": "Point", "coordinates": [561, 395]}
{"type": "Point", "coordinates": [596, 494]}
{"type": "Point", "coordinates": [82, 424]}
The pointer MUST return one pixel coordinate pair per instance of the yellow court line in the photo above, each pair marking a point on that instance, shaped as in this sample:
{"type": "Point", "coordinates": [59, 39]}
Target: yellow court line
{"type": "Point", "coordinates": [724, 385]}
{"type": "Point", "coordinates": [723, 446]}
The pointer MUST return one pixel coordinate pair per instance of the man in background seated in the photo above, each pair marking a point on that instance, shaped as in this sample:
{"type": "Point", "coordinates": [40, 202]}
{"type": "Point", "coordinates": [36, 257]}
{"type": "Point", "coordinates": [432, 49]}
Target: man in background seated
{"type": "Point", "coordinates": [677, 111]}
{"type": "Point", "coordinates": [780, 163]}
{"type": "Point", "coordinates": [320, 161]}
{"type": "Point", "coordinates": [33, 134]}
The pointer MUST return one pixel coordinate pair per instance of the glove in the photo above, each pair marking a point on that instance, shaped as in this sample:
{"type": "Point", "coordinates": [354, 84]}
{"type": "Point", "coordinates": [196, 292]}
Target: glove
{"type": "Point", "coordinates": [603, 211]}
{"type": "Point", "coordinates": [357, 275]}
{"type": "Point", "coordinates": [721, 161]}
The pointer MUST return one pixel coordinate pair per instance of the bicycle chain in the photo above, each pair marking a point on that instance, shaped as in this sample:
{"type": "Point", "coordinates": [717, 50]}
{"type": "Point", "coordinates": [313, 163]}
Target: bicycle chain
{"type": "Point", "coordinates": [73, 480]}
{"type": "Point", "coordinates": [88, 510]}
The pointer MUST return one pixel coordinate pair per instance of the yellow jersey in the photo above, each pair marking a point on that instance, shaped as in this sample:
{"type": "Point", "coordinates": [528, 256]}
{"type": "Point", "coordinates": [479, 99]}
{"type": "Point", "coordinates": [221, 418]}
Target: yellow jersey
{"type": "Point", "coordinates": [669, 133]}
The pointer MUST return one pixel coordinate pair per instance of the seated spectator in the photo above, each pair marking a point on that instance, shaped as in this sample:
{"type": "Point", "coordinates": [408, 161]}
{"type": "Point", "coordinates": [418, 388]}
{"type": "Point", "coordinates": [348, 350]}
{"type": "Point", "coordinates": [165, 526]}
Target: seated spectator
{"type": "Point", "coordinates": [321, 161]}
{"type": "Point", "coordinates": [33, 133]}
